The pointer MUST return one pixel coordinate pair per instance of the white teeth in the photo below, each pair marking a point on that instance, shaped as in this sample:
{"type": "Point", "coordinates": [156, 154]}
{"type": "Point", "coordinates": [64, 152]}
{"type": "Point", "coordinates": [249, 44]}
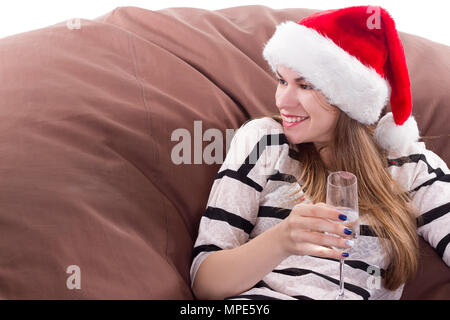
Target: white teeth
{"type": "Point", "coordinates": [294, 119]}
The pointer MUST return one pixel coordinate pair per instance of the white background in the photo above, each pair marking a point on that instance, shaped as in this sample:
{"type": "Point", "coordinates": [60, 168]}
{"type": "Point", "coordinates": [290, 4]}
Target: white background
{"type": "Point", "coordinates": [429, 19]}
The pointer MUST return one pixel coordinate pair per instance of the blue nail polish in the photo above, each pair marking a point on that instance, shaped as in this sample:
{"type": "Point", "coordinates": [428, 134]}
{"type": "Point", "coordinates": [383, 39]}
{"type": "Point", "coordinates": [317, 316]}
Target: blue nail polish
{"type": "Point", "coordinates": [347, 231]}
{"type": "Point", "coordinates": [343, 217]}
{"type": "Point", "coordinates": [345, 254]}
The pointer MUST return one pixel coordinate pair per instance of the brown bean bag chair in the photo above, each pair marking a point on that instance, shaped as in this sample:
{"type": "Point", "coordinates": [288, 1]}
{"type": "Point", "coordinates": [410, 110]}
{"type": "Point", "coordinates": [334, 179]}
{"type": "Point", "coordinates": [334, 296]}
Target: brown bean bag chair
{"type": "Point", "coordinates": [93, 202]}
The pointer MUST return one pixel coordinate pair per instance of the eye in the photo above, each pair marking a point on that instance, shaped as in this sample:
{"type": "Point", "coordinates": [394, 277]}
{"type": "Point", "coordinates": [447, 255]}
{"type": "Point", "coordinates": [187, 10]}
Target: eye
{"type": "Point", "coordinates": [306, 87]}
{"type": "Point", "coordinates": [303, 86]}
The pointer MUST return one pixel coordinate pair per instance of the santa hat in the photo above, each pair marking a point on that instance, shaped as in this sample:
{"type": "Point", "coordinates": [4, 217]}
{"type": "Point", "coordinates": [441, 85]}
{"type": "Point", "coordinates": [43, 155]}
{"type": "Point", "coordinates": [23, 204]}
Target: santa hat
{"type": "Point", "coordinates": [355, 57]}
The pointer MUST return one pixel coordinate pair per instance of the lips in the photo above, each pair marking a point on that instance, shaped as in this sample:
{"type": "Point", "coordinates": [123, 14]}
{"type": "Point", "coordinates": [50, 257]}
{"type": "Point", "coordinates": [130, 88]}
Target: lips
{"type": "Point", "coordinates": [293, 115]}
{"type": "Point", "coordinates": [291, 124]}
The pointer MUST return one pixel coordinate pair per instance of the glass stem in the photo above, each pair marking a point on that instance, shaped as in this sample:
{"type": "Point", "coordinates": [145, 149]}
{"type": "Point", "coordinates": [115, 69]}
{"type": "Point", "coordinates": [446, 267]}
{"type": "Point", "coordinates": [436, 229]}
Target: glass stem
{"type": "Point", "coordinates": [341, 279]}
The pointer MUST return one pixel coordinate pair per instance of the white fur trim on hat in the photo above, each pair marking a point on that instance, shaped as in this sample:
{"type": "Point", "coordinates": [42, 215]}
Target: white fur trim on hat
{"type": "Point", "coordinates": [356, 89]}
{"type": "Point", "coordinates": [391, 136]}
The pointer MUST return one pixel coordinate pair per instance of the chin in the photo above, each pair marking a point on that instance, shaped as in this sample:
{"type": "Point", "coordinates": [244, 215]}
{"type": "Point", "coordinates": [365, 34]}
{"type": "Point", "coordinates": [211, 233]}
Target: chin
{"type": "Point", "coordinates": [294, 139]}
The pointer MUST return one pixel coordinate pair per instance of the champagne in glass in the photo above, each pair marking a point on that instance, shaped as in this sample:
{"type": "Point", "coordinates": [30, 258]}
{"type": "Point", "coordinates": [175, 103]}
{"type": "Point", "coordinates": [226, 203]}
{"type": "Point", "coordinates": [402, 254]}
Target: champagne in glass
{"type": "Point", "coordinates": [342, 193]}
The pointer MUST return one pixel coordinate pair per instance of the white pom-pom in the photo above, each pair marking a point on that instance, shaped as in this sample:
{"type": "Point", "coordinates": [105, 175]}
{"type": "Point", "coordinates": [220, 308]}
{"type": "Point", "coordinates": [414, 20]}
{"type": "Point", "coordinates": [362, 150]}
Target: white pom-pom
{"type": "Point", "coordinates": [392, 137]}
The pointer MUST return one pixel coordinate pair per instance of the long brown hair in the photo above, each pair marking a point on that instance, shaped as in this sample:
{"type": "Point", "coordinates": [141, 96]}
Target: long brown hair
{"type": "Point", "coordinates": [384, 203]}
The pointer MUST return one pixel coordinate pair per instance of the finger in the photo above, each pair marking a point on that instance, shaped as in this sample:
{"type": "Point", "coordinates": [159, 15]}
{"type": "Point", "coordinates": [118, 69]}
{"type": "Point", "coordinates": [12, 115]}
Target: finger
{"type": "Point", "coordinates": [320, 210]}
{"type": "Point", "coordinates": [323, 239]}
{"type": "Point", "coordinates": [321, 225]}
{"type": "Point", "coordinates": [323, 252]}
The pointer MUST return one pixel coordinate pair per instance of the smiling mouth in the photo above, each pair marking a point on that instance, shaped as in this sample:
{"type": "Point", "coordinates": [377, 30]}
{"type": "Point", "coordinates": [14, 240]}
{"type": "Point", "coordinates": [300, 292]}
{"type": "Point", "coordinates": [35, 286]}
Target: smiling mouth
{"type": "Point", "coordinates": [287, 124]}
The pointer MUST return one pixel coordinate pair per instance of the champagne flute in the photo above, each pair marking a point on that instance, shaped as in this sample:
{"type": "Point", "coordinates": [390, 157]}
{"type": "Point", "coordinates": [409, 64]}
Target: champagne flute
{"type": "Point", "coordinates": [342, 193]}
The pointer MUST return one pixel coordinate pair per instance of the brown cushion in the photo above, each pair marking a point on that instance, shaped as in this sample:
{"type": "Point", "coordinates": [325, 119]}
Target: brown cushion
{"type": "Point", "coordinates": [86, 149]}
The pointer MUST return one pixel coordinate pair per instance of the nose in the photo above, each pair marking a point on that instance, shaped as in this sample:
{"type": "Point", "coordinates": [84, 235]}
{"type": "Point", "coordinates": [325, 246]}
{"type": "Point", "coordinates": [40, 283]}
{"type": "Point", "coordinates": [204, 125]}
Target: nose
{"type": "Point", "coordinates": [287, 98]}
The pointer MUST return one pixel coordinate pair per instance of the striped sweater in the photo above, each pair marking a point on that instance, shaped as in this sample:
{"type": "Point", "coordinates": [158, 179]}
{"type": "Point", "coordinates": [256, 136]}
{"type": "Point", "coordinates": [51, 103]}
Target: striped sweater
{"type": "Point", "coordinates": [251, 194]}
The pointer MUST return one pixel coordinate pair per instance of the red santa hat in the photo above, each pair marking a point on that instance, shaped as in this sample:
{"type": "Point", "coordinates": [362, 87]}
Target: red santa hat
{"type": "Point", "coordinates": [355, 57]}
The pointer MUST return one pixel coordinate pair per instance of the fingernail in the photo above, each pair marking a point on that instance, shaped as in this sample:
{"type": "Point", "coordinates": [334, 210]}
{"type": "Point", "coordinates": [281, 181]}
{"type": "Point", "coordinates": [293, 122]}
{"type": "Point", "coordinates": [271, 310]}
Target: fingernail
{"type": "Point", "coordinates": [343, 217]}
{"type": "Point", "coordinates": [345, 254]}
{"type": "Point", "coordinates": [347, 231]}
{"type": "Point", "coordinates": [349, 243]}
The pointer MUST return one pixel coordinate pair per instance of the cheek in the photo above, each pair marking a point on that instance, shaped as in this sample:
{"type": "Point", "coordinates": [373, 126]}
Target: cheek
{"type": "Point", "coordinates": [325, 123]}
{"type": "Point", "coordinates": [277, 98]}
{"type": "Point", "coordinates": [321, 121]}
{"type": "Point", "coordinates": [310, 103]}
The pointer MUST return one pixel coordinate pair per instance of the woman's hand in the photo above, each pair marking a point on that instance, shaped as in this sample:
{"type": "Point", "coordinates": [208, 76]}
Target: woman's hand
{"type": "Point", "coordinates": [302, 231]}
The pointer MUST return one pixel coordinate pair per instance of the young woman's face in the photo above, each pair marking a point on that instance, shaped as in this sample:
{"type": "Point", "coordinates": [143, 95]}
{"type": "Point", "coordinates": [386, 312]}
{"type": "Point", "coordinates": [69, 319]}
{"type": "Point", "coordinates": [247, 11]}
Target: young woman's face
{"type": "Point", "coordinates": [298, 98]}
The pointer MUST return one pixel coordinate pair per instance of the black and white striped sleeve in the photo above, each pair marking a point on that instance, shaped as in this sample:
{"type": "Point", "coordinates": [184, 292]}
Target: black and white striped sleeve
{"type": "Point", "coordinates": [233, 202]}
{"type": "Point", "coordinates": [431, 194]}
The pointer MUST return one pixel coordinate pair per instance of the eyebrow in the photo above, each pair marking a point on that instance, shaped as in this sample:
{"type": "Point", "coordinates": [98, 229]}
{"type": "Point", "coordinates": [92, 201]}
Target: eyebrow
{"type": "Point", "coordinates": [297, 79]}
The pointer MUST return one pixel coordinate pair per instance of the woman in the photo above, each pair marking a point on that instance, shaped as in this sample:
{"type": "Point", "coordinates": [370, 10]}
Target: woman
{"type": "Point", "coordinates": [263, 233]}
